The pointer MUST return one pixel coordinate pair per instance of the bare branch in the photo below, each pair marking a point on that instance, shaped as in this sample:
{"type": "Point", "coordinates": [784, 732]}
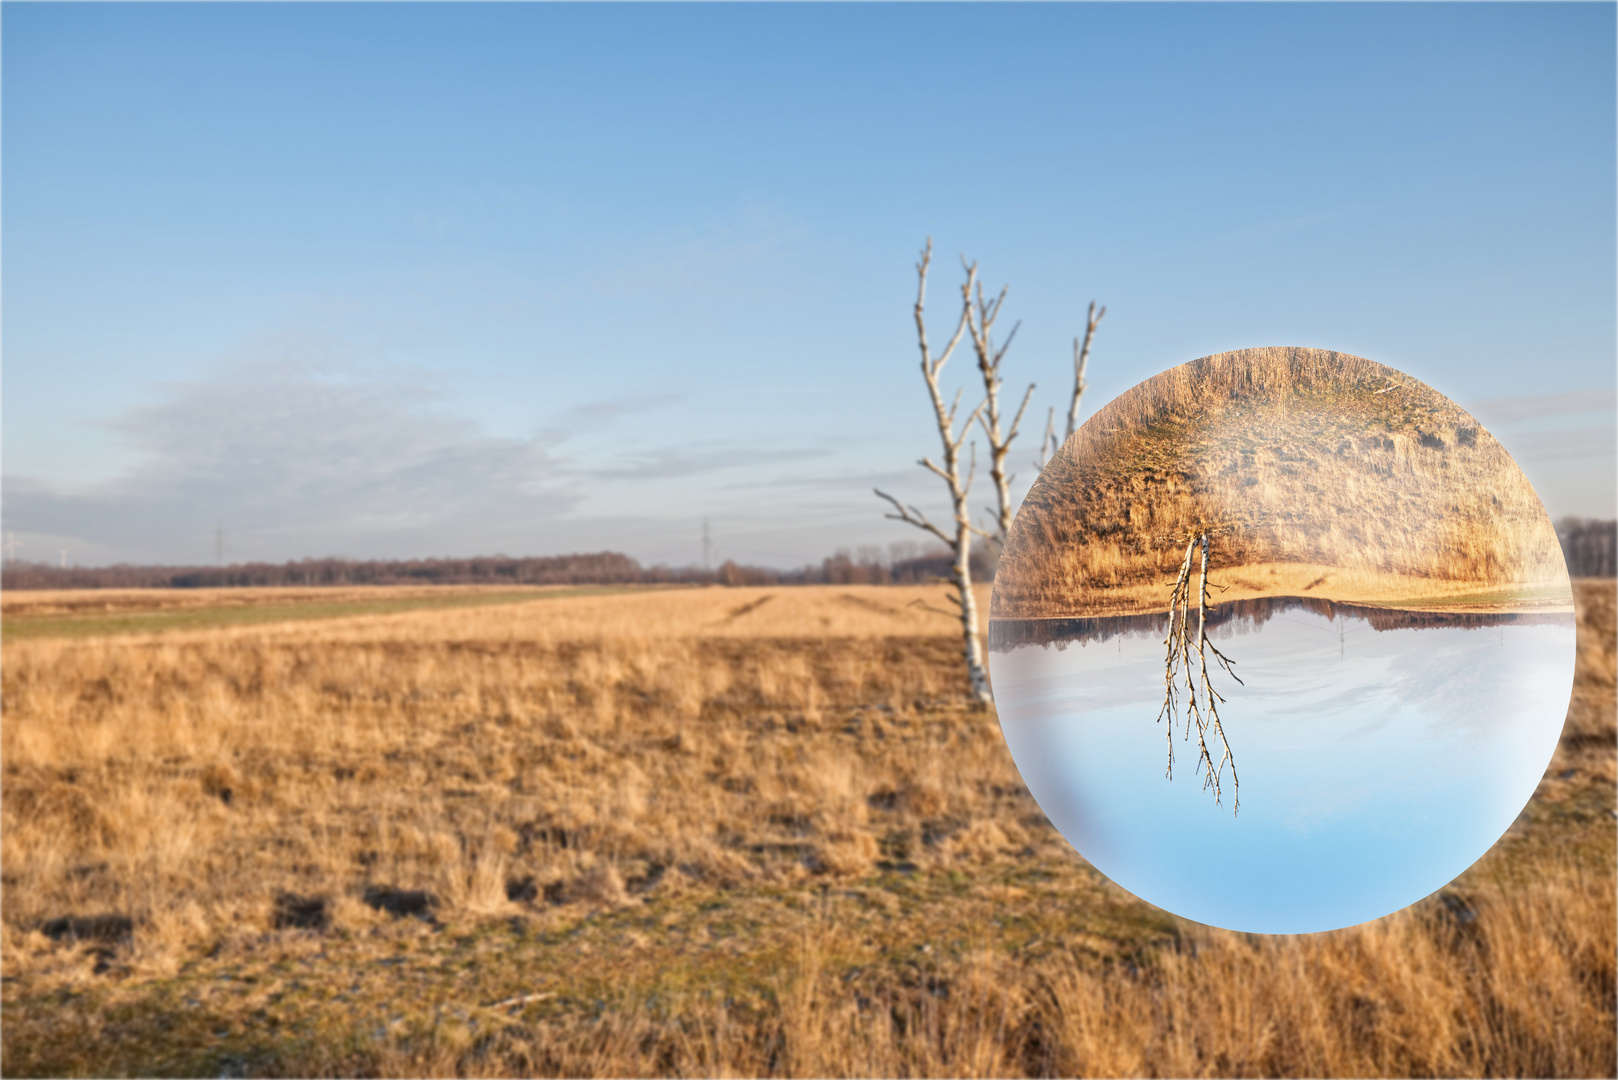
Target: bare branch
{"type": "Point", "coordinates": [1081, 361]}
{"type": "Point", "coordinates": [1175, 644]}
{"type": "Point", "coordinates": [911, 516]}
{"type": "Point", "coordinates": [1210, 696]}
{"type": "Point", "coordinates": [1016, 421]}
{"type": "Point", "coordinates": [987, 313]}
{"type": "Point", "coordinates": [981, 316]}
{"type": "Point", "coordinates": [1047, 445]}
{"type": "Point", "coordinates": [1001, 352]}
{"type": "Point", "coordinates": [929, 366]}
{"type": "Point", "coordinates": [982, 405]}
{"type": "Point", "coordinates": [928, 607]}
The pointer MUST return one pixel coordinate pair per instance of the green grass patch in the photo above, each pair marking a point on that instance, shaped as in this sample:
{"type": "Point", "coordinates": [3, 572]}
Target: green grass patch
{"type": "Point", "coordinates": [27, 627]}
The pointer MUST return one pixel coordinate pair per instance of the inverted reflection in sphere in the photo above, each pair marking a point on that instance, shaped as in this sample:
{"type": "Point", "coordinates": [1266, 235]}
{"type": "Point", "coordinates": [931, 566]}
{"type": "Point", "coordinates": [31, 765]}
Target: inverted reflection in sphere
{"type": "Point", "coordinates": [1281, 640]}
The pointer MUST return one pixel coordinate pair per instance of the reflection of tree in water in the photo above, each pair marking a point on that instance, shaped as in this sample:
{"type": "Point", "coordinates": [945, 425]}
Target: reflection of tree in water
{"type": "Point", "coordinates": [1202, 701]}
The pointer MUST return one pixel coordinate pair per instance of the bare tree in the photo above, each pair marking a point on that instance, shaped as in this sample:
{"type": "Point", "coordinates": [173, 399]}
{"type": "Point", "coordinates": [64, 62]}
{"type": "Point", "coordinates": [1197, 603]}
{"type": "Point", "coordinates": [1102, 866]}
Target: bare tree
{"type": "Point", "coordinates": [952, 438]}
{"type": "Point", "coordinates": [1202, 701]}
{"type": "Point", "coordinates": [981, 314]}
{"type": "Point", "coordinates": [1081, 360]}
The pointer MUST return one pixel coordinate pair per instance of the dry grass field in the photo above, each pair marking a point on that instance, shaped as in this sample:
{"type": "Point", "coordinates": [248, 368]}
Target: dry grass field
{"type": "Point", "coordinates": [98, 612]}
{"type": "Point", "coordinates": [1319, 473]}
{"type": "Point", "coordinates": [686, 832]}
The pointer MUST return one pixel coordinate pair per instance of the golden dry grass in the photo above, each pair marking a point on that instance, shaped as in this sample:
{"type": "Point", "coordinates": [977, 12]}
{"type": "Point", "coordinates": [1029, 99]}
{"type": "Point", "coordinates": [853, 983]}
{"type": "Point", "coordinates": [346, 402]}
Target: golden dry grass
{"type": "Point", "coordinates": [589, 611]}
{"type": "Point", "coordinates": [752, 831]}
{"type": "Point", "coordinates": [1369, 484]}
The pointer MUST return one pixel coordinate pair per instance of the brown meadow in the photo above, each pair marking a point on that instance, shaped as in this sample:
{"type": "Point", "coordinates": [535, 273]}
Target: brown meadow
{"type": "Point", "coordinates": [1318, 473]}
{"type": "Point", "coordinates": [690, 832]}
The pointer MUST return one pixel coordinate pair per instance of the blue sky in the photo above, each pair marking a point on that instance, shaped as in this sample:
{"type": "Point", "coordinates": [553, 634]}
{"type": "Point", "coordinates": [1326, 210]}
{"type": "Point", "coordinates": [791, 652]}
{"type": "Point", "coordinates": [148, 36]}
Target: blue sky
{"type": "Point", "coordinates": [1375, 765]}
{"type": "Point", "coordinates": [412, 280]}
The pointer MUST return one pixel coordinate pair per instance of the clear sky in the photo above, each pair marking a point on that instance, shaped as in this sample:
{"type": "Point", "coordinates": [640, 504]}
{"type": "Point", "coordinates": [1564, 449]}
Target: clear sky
{"type": "Point", "coordinates": [421, 279]}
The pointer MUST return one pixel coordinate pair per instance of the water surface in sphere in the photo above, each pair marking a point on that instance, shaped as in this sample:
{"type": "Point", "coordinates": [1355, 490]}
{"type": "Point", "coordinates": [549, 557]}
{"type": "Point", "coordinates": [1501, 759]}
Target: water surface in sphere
{"type": "Point", "coordinates": [1374, 661]}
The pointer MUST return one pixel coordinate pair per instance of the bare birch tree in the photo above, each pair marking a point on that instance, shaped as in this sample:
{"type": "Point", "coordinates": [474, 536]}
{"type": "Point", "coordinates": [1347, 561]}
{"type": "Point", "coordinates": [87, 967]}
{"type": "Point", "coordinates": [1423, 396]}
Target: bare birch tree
{"type": "Point", "coordinates": [1183, 654]}
{"type": "Point", "coordinates": [952, 438]}
{"type": "Point", "coordinates": [981, 314]}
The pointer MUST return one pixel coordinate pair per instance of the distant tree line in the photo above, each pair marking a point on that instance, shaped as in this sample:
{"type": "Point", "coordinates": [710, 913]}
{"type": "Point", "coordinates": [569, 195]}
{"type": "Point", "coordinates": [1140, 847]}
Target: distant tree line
{"type": "Point", "coordinates": [902, 564]}
{"type": "Point", "coordinates": [603, 568]}
{"type": "Point", "coordinates": [1589, 546]}
{"type": "Point", "coordinates": [866, 566]}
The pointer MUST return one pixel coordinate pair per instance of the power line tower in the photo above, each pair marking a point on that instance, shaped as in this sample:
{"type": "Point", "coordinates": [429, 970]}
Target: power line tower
{"type": "Point", "coordinates": [12, 544]}
{"type": "Point", "coordinates": [219, 543]}
{"type": "Point", "coordinates": [707, 546]}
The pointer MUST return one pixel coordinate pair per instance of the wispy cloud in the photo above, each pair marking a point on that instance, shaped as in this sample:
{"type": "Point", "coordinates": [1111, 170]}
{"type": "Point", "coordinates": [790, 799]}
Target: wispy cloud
{"type": "Point", "coordinates": [1573, 403]}
{"type": "Point", "coordinates": [1546, 427]}
{"type": "Point", "coordinates": [611, 408]}
{"type": "Point", "coordinates": [591, 417]}
{"type": "Point", "coordinates": [842, 481]}
{"type": "Point", "coordinates": [668, 463]}
{"type": "Point", "coordinates": [1563, 444]}
{"type": "Point", "coordinates": [304, 457]}
{"type": "Point", "coordinates": [315, 456]}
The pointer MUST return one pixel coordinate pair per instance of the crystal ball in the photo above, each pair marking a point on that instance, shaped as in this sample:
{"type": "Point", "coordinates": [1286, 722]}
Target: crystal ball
{"type": "Point", "coordinates": [1281, 640]}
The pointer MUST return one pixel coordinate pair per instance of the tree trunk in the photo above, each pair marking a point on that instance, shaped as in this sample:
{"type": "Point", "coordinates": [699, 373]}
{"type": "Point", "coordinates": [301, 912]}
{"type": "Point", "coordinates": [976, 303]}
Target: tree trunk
{"type": "Point", "coordinates": [977, 672]}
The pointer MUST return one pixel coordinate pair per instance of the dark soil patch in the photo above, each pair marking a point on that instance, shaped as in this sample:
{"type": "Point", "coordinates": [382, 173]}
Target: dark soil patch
{"type": "Point", "coordinates": [294, 912]}
{"type": "Point", "coordinates": [105, 929]}
{"type": "Point", "coordinates": [401, 902]}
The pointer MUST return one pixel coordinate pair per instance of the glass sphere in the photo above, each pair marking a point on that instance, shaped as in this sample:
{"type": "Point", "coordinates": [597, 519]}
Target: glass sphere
{"type": "Point", "coordinates": [1281, 640]}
